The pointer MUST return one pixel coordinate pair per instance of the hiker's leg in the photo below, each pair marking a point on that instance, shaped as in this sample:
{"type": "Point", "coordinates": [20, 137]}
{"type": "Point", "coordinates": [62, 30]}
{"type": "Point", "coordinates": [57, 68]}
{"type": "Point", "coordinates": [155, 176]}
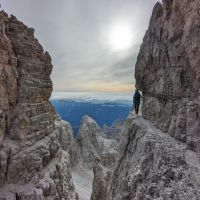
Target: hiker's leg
{"type": "Point", "coordinates": [136, 108]}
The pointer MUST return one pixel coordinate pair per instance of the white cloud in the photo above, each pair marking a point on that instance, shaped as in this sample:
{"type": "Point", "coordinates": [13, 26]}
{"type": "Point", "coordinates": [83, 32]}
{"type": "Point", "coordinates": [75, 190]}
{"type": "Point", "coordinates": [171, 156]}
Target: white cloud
{"type": "Point", "coordinates": [75, 33]}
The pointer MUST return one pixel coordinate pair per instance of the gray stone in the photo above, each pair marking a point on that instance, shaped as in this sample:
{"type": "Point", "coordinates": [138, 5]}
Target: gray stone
{"type": "Point", "coordinates": [33, 160]}
{"type": "Point", "coordinates": [154, 165]}
{"type": "Point", "coordinates": [167, 69]}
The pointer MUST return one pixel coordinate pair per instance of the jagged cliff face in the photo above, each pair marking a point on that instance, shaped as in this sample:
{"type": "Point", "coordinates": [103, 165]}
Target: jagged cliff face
{"type": "Point", "coordinates": [95, 158]}
{"type": "Point", "coordinates": [93, 144]}
{"type": "Point", "coordinates": [33, 164]}
{"type": "Point", "coordinates": [114, 131]}
{"type": "Point", "coordinates": [168, 72]}
{"type": "Point", "coordinates": [103, 176]}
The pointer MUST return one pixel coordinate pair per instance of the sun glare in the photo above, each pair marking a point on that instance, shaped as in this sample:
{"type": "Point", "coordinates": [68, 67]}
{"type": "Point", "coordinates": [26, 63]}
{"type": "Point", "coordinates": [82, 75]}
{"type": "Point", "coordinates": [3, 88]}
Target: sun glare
{"type": "Point", "coordinates": [121, 37]}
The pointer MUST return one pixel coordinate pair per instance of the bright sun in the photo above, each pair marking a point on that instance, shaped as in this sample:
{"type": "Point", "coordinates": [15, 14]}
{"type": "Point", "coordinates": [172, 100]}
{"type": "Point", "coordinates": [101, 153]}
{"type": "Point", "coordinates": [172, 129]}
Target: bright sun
{"type": "Point", "coordinates": [121, 37]}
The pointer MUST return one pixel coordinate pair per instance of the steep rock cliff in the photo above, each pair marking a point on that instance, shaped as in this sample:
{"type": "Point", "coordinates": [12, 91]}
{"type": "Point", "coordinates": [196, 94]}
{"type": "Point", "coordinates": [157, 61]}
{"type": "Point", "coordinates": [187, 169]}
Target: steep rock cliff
{"type": "Point", "coordinates": [168, 72]}
{"type": "Point", "coordinates": [33, 164]}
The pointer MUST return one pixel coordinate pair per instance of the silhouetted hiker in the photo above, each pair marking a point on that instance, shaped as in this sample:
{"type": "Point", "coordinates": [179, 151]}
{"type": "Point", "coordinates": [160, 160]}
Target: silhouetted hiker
{"type": "Point", "coordinates": [136, 100]}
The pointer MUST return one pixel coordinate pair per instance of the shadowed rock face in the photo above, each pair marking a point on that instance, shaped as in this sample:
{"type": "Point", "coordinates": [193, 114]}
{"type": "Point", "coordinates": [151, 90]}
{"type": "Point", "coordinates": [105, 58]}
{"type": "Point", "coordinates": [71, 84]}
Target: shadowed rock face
{"type": "Point", "coordinates": [31, 157]}
{"type": "Point", "coordinates": [168, 72]}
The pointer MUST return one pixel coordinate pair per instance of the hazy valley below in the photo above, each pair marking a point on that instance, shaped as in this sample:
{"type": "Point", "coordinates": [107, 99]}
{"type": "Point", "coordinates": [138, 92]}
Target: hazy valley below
{"type": "Point", "coordinates": [104, 108]}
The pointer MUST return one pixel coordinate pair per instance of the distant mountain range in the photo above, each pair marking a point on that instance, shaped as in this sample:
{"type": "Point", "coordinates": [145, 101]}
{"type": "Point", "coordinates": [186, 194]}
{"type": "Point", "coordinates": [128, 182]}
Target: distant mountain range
{"type": "Point", "coordinates": [104, 109]}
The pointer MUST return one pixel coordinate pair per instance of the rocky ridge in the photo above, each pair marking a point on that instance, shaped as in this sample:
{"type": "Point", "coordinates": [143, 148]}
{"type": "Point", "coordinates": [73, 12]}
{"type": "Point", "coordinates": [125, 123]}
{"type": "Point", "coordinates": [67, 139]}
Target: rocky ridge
{"type": "Point", "coordinates": [103, 176]}
{"type": "Point", "coordinates": [34, 162]}
{"type": "Point", "coordinates": [154, 166]}
{"type": "Point", "coordinates": [95, 151]}
{"type": "Point", "coordinates": [114, 131]}
{"type": "Point", "coordinates": [93, 144]}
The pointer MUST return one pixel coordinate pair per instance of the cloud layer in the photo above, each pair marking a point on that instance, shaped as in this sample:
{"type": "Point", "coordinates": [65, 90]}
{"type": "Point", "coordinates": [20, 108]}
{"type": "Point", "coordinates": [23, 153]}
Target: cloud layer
{"type": "Point", "coordinates": [76, 33]}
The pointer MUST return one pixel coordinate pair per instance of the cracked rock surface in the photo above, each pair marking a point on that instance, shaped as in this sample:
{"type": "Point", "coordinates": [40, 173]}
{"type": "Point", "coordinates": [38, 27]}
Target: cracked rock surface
{"type": "Point", "coordinates": [167, 70]}
{"type": "Point", "coordinates": [154, 165]}
{"type": "Point", "coordinates": [34, 164]}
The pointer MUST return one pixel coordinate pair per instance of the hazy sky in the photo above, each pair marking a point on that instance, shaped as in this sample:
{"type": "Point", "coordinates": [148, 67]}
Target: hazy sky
{"type": "Point", "coordinates": [93, 43]}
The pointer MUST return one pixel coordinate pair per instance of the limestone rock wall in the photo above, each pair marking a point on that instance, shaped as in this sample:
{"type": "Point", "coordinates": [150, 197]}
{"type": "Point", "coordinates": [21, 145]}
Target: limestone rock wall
{"type": "Point", "coordinates": [167, 70]}
{"type": "Point", "coordinates": [33, 164]}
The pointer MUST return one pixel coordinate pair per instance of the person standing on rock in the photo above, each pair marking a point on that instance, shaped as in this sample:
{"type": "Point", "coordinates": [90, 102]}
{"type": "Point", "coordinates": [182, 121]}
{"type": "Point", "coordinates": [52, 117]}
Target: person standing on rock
{"type": "Point", "coordinates": [136, 101]}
